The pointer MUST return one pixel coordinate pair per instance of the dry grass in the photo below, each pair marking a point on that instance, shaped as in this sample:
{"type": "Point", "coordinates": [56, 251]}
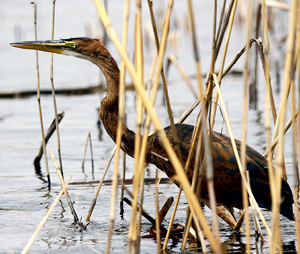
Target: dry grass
{"type": "Point", "coordinates": [210, 96]}
{"type": "Point", "coordinates": [221, 36]}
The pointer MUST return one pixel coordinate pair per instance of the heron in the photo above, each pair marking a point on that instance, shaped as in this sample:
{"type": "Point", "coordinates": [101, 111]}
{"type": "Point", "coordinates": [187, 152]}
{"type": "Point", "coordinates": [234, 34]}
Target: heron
{"type": "Point", "coordinates": [226, 174]}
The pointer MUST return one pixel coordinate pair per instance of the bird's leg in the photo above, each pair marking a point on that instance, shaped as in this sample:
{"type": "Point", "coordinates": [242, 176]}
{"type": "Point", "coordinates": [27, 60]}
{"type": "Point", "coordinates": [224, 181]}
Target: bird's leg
{"type": "Point", "coordinates": [224, 214]}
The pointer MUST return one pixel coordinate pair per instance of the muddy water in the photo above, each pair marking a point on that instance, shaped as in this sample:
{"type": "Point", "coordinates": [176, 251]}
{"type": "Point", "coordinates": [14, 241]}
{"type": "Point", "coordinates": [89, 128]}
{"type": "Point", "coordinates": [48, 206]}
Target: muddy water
{"type": "Point", "coordinates": [24, 195]}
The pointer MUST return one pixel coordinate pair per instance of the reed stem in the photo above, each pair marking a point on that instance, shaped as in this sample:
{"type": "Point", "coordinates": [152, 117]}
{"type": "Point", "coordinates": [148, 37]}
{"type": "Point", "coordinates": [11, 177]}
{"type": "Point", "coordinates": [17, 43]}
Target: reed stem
{"type": "Point", "coordinates": [53, 92]}
{"type": "Point", "coordinates": [100, 185]}
{"type": "Point", "coordinates": [61, 179]}
{"type": "Point", "coordinates": [39, 98]}
{"type": "Point", "coordinates": [121, 119]}
{"type": "Point", "coordinates": [45, 218]}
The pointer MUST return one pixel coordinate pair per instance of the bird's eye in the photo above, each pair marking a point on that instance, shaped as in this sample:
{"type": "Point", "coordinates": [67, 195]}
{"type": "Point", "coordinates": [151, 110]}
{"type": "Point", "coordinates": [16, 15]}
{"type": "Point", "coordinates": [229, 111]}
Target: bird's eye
{"type": "Point", "coordinates": [74, 45]}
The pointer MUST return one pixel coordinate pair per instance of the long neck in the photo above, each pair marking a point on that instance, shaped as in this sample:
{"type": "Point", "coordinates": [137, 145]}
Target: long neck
{"type": "Point", "coordinates": [109, 106]}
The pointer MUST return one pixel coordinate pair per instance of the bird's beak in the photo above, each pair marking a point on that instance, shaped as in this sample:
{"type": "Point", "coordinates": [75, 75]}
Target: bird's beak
{"type": "Point", "coordinates": [55, 46]}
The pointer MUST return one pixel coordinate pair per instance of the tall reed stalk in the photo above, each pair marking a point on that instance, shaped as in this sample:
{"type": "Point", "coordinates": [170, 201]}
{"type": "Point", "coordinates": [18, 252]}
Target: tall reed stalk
{"type": "Point", "coordinates": [53, 91]}
{"type": "Point", "coordinates": [244, 125]}
{"type": "Point", "coordinates": [119, 133]}
{"type": "Point", "coordinates": [39, 98]}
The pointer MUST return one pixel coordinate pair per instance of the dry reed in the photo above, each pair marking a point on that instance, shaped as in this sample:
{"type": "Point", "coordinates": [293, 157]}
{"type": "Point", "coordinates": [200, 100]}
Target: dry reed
{"type": "Point", "coordinates": [93, 204]}
{"type": "Point", "coordinates": [39, 98]}
{"type": "Point", "coordinates": [206, 119]}
{"type": "Point", "coordinates": [244, 127]}
{"type": "Point", "coordinates": [70, 203]}
{"type": "Point", "coordinates": [45, 218]}
{"type": "Point", "coordinates": [183, 74]}
{"type": "Point", "coordinates": [145, 110]}
{"type": "Point", "coordinates": [88, 139]}
{"type": "Point", "coordinates": [53, 91]}
{"type": "Point", "coordinates": [145, 107]}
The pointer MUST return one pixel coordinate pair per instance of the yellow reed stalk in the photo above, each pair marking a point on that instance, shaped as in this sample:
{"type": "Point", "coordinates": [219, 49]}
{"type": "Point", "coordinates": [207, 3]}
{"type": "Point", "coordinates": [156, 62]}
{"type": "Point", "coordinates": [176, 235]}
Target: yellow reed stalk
{"type": "Point", "coordinates": [173, 130]}
{"type": "Point", "coordinates": [122, 82]}
{"type": "Point", "coordinates": [88, 137]}
{"type": "Point", "coordinates": [161, 51]}
{"type": "Point", "coordinates": [189, 110]}
{"type": "Point", "coordinates": [39, 98]}
{"type": "Point", "coordinates": [205, 139]}
{"type": "Point", "coordinates": [288, 73]}
{"type": "Point", "coordinates": [251, 197]}
{"type": "Point", "coordinates": [53, 91]}
{"type": "Point", "coordinates": [156, 77]}
{"type": "Point", "coordinates": [195, 176]}
{"type": "Point", "coordinates": [139, 63]}
{"type": "Point", "coordinates": [277, 4]}
{"type": "Point", "coordinates": [61, 179]}
{"type": "Point", "coordinates": [297, 172]}
{"type": "Point", "coordinates": [222, 29]}
{"type": "Point", "coordinates": [286, 128]}
{"type": "Point", "coordinates": [216, 37]}
{"type": "Point", "coordinates": [181, 176]}
{"type": "Point", "coordinates": [121, 119]}
{"type": "Point", "coordinates": [221, 68]}
{"type": "Point", "coordinates": [267, 123]}
{"type": "Point", "coordinates": [172, 219]}
{"type": "Point", "coordinates": [100, 185]}
{"type": "Point", "coordinates": [194, 136]}
{"type": "Point", "coordinates": [244, 126]}
{"type": "Point", "coordinates": [45, 218]}
{"type": "Point", "coordinates": [214, 51]}
{"type": "Point", "coordinates": [85, 147]}
{"type": "Point", "coordinates": [157, 221]}
{"type": "Point", "coordinates": [156, 83]}
{"type": "Point", "coordinates": [196, 181]}
{"type": "Point", "coordinates": [173, 59]}
{"type": "Point", "coordinates": [295, 161]}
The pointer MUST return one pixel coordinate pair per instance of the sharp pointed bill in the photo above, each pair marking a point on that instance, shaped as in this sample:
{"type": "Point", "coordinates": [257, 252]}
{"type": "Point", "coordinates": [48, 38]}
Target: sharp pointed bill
{"type": "Point", "coordinates": [55, 46]}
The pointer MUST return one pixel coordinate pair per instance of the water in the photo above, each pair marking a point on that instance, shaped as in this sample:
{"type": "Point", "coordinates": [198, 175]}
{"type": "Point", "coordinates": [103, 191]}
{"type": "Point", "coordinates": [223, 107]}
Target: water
{"type": "Point", "coordinates": [24, 195]}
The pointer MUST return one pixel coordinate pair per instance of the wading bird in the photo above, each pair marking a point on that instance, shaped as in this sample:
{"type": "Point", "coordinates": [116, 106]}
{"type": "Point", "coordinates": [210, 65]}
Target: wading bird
{"type": "Point", "coordinates": [227, 178]}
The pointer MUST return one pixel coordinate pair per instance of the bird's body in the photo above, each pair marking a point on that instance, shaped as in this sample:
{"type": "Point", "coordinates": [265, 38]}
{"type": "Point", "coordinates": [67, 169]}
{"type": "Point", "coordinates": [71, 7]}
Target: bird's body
{"type": "Point", "coordinates": [227, 178]}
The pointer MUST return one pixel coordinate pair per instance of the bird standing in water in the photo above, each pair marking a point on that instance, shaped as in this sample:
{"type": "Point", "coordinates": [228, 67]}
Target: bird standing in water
{"type": "Point", "coordinates": [227, 178]}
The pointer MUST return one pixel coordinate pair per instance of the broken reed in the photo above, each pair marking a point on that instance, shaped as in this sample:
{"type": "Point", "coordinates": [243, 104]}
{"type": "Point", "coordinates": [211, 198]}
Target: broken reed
{"type": "Point", "coordinates": [145, 104]}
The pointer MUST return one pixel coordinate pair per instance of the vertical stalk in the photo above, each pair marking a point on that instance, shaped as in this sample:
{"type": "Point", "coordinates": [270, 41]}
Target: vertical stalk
{"type": "Point", "coordinates": [220, 74]}
{"type": "Point", "coordinates": [296, 168]}
{"type": "Point", "coordinates": [288, 77]}
{"type": "Point", "coordinates": [157, 221]}
{"type": "Point", "coordinates": [267, 111]}
{"type": "Point", "coordinates": [39, 98]}
{"type": "Point", "coordinates": [138, 171]}
{"type": "Point", "coordinates": [166, 93]}
{"type": "Point", "coordinates": [205, 139]}
{"type": "Point", "coordinates": [93, 204]}
{"type": "Point", "coordinates": [244, 124]}
{"type": "Point", "coordinates": [121, 115]}
{"type": "Point", "coordinates": [53, 92]}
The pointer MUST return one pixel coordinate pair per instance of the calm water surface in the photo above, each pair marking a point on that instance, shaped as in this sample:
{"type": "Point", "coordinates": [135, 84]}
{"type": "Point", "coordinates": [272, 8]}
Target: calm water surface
{"type": "Point", "coordinates": [24, 195]}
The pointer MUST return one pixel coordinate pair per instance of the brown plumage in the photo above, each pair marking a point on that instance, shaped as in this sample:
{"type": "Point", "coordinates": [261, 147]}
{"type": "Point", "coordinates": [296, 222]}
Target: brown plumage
{"type": "Point", "coordinates": [227, 179]}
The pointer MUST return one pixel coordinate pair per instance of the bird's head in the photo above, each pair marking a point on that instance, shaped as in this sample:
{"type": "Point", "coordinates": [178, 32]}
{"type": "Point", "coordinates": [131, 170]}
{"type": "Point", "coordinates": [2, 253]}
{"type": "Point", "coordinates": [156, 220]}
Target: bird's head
{"type": "Point", "coordinates": [82, 47]}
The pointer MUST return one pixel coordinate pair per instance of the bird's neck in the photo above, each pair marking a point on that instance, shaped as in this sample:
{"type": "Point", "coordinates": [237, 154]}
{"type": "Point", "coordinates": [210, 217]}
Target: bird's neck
{"type": "Point", "coordinates": [109, 109]}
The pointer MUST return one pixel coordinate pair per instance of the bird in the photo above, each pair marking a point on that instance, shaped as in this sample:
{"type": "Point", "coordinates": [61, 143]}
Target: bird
{"type": "Point", "coordinates": [226, 174]}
